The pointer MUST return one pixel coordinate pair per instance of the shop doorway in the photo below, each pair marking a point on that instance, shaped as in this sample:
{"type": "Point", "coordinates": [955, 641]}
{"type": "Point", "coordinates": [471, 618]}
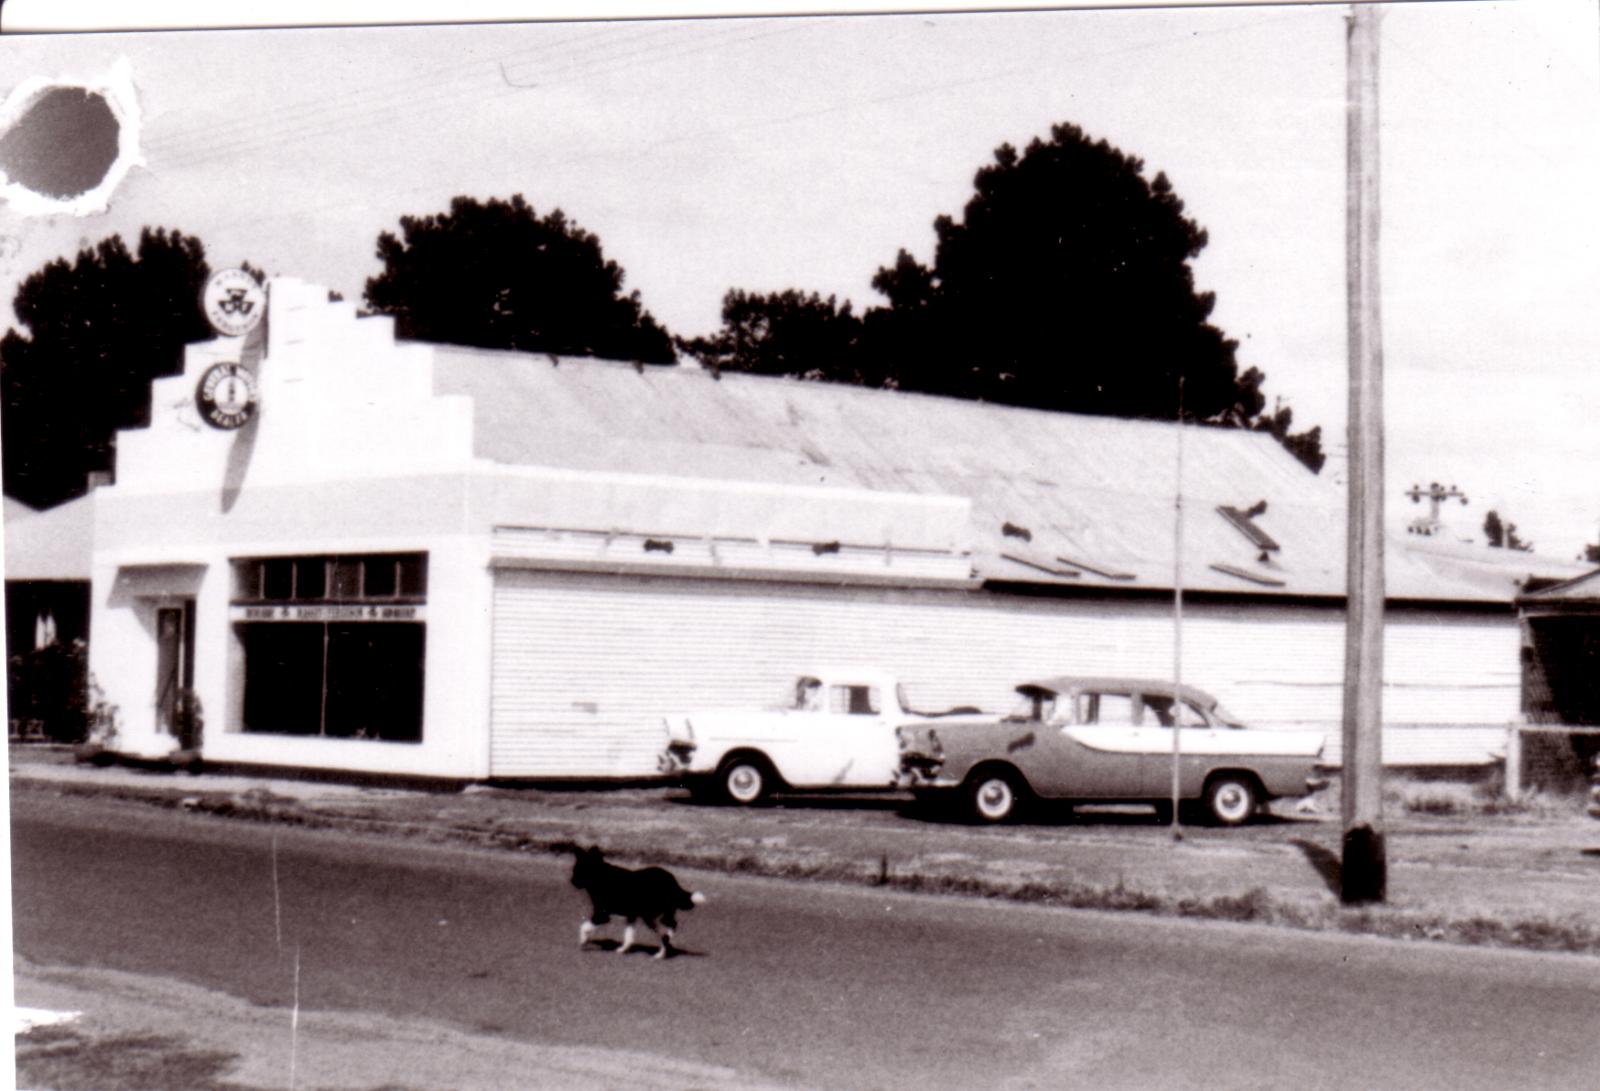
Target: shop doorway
{"type": "Point", "coordinates": [175, 674]}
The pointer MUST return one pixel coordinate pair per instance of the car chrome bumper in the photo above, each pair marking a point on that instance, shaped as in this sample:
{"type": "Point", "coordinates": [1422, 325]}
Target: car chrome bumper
{"type": "Point", "coordinates": [915, 778]}
{"type": "Point", "coordinates": [672, 763]}
{"type": "Point", "coordinates": [1316, 784]}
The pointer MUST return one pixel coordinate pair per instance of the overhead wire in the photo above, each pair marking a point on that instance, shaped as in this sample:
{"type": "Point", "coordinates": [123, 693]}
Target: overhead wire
{"type": "Point", "coordinates": [596, 64]}
{"type": "Point", "coordinates": [317, 103]}
{"type": "Point", "coordinates": [403, 89]}
{"type": "Point", "coordinates": [636, 151]}
{"type": "Point", "coordinates": [486, 83]}
{"type": "Point", "coordinates": [1473, 92]}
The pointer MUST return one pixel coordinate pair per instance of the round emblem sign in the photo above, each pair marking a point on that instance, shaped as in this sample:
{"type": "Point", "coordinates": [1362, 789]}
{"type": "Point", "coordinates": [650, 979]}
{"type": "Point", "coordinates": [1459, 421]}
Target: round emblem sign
{"type": "Point", "coordinates": [226, 396]}
{"type": "Point", "coordinates": [233, 301]}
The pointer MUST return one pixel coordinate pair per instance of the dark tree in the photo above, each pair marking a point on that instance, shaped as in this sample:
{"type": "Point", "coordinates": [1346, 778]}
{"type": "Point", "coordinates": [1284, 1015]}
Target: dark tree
{"type": "Point", "coordinates": [1503, 535]}
{"type": "Point", "coordinates": [98, 331]}
{"type": "Point", "coordinates": [1306, 446]}
{"type": "Point", "coordinates": [1065, 285]}
{"type": "Point", "coordinates": [497, 275]}
{"type": "Point", "coordinates": [786, 333]}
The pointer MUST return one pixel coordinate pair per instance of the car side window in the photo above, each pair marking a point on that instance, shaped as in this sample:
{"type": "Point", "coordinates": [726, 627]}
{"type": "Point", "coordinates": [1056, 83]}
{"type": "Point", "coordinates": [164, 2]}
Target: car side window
{"type": "Point", "coordinates": [1111, 708]}
{"type": "Point", "coordinates": [853, 700]}
{"type": "Point", "coordinates": [1033, 706]}
{"type": "Point", "coordinates": [1165, 710]}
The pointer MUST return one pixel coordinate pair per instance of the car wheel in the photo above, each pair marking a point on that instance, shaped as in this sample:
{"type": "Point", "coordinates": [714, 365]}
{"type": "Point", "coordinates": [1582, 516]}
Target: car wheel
{"type": "Point", "coordinates": [1231, 800]}
{"type": "Point", "coordinates": [745, 782]}
{"type": "Point", "coordinates": [993, 797]}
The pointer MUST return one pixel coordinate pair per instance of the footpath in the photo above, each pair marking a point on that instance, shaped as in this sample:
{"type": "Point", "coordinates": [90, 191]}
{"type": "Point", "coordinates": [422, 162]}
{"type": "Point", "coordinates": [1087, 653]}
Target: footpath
{"type": "Point", "coordinates": [1503, 880]}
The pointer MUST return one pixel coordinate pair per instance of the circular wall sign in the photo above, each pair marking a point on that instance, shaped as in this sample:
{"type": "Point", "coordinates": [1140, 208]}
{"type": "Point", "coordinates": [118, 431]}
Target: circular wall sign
{"type": "Point", "coordinates": [226, 396]}
{"type": "Point", "coordinates": [233, 301]}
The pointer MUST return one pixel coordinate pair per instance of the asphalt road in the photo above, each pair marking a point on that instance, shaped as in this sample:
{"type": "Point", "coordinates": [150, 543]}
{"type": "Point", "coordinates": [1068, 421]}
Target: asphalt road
{"type": "Point", "coordinates": [835, 987]}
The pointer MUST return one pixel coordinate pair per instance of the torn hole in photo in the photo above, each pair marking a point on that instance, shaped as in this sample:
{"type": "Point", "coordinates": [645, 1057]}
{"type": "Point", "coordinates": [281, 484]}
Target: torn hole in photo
{"type": "Point", "coordinates": [65, 144]}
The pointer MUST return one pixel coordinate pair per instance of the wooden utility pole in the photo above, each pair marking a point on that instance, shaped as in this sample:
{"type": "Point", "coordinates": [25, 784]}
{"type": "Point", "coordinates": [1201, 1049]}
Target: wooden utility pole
{"type": "Point", "coordinates": [1364, 872]}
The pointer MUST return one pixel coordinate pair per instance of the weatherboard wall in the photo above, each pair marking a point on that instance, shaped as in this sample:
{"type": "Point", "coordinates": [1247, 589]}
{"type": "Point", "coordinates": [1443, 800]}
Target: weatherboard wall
{"type": "Point", "coordinates": [586, 664]}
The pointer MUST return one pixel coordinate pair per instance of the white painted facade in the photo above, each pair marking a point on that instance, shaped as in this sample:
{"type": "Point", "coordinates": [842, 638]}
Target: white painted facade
{"type": "Point", "coordinates": [189, 499]}
{"type": "Point", "coordinates": [568, 609]}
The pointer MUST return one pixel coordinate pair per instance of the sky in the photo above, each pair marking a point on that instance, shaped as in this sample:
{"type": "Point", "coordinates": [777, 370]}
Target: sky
{"type": "Point", "coordinates": [804, 152]}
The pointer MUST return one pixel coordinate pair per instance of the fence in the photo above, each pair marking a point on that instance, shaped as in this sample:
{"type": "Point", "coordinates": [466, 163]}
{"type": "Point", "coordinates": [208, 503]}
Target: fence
{"type": "Point", "coordinates": [1551, 757]}
{"type": "Point", "coordinates": [47, 694]}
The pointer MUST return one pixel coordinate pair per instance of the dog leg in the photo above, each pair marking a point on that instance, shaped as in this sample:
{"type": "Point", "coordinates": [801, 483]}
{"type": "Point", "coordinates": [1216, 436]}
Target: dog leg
{"type": "Point", "coordinates": [627, 940]}
{"type": "Point", "coordinates": [585, 930]}
{"type": "Point", "coordinates": [666, 943]}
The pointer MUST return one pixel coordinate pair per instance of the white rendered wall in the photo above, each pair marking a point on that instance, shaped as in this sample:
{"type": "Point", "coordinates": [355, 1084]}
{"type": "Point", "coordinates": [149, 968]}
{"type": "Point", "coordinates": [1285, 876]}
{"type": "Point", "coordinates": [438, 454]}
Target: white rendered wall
{"type": "Point", "coordinates": [350, 452]}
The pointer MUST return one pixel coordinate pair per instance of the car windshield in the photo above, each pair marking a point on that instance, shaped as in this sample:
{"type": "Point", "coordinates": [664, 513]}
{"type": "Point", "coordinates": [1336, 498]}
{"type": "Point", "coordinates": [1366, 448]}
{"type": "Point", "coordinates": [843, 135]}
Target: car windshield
{"type": "Point", "coordinates": [1167, 711]}
{"type": "Point", "coordinates": [1226, 718]}
{"type": "Point", "coordinates": [807, 695]}
{"type": "Point", "coordinates": [1033, 705]}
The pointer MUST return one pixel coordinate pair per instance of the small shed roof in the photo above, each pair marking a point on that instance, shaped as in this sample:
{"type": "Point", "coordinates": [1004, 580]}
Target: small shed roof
{"type": "Point", "coordinates": [1057, 498]}
{"type": "Point", "coordinates": [54, 544]}
{"type": "Point", "coordinates": [1583, 590]}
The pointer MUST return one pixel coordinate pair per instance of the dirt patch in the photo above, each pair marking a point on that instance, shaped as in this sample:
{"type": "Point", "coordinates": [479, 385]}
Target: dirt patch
{"type": "Point", "coordinates": [140, 1032]}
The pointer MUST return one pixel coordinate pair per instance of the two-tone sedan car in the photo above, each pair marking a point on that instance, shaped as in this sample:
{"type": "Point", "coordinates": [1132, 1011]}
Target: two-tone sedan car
{"type": "Point", "coordinates": [1109, 740]}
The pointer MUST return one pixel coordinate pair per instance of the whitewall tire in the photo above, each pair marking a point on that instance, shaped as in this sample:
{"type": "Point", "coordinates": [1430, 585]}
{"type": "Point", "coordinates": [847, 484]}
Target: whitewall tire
{"type": "Point", "coordinates": [993, 798]}
{"type": "Point", "coordinates": [745, 782]}
{"type": "Point", "coordinates": [1231, 800]}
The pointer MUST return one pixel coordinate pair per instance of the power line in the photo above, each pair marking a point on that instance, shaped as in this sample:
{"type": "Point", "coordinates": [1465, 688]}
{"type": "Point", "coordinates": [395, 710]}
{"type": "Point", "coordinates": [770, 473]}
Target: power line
{"type": "Point", "coordinates": [393, 92]}
{"type": "Point", "coordinates": [397, 103]}
{"type": "Point", "coordinates": [577, 68]}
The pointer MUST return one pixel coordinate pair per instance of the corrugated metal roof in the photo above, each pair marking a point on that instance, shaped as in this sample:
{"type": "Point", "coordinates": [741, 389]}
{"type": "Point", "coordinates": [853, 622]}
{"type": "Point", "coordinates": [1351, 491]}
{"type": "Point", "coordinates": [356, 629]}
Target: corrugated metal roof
{"type": "Point", "coordinates": [1583, 589]}
{"type": "Point", "coordinates": [1057, 497]}
{"type": "Point", "coordinates": [1493, 570]}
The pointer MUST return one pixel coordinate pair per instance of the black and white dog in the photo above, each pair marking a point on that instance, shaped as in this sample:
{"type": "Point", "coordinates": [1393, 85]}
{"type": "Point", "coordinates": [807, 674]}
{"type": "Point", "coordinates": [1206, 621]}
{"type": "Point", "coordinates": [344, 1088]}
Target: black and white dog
{"type": "Point", "coordinates": [651, 895]}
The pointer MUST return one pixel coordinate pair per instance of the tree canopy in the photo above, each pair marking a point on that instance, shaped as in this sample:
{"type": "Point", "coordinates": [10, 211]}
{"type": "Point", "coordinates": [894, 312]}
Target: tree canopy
{"type": "Point", "coordinates": [1501, 534]}
{"type": "Point", "coordinates": [99, 329]}
{"type": "Point", "coordinates": [1065, 285]}
{"type": "Point", "coordinates": [495, 274]}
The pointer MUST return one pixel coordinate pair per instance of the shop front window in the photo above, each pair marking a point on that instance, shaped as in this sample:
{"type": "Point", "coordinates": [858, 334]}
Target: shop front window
{"type": "Point", "coordinates": [333, 646]}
